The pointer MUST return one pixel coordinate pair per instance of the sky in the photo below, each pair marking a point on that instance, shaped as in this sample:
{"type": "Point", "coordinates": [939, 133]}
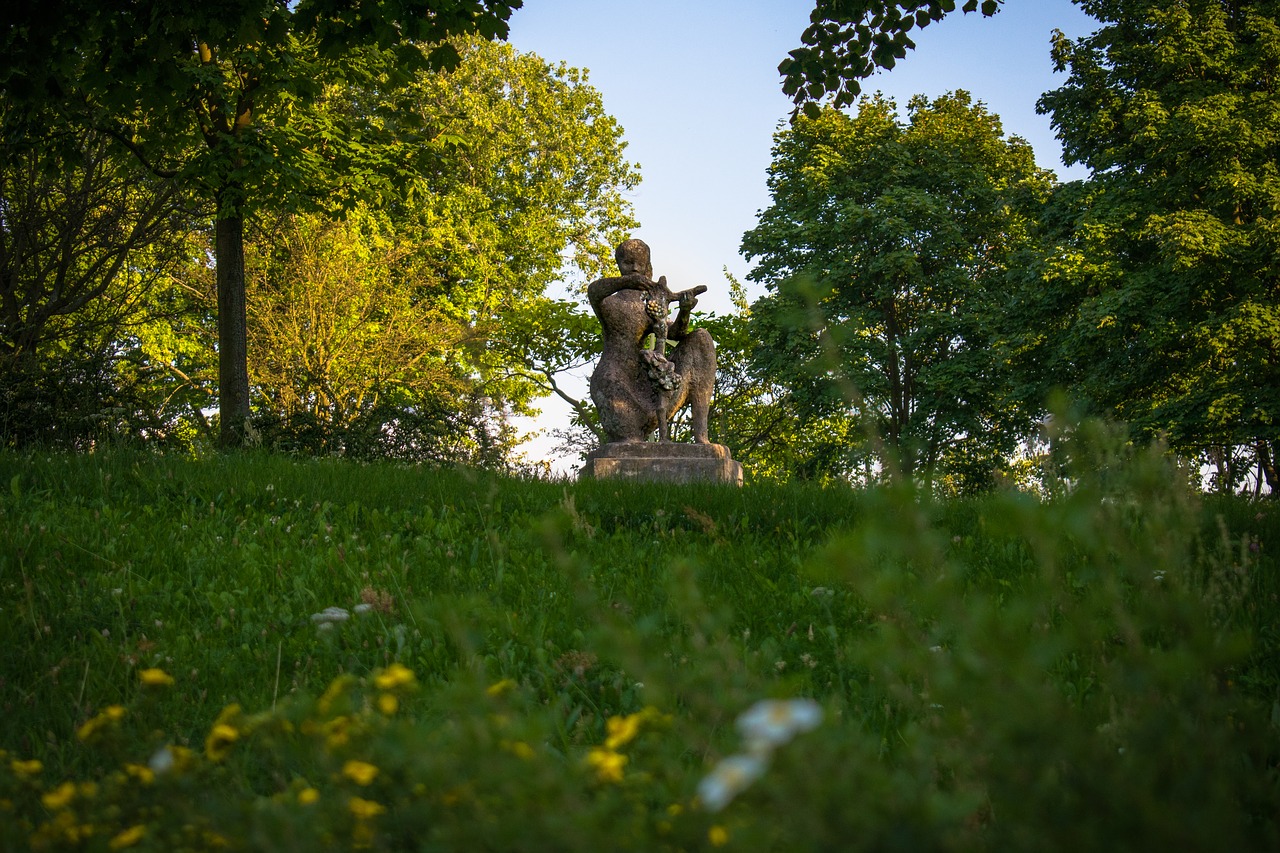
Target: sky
{"type": "Point", "coordinates": [695, 87]}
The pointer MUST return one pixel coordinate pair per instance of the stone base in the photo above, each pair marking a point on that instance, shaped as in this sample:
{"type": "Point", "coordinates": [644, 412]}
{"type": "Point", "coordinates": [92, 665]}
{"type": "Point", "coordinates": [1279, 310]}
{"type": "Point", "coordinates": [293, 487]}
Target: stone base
{"type": "Point", "coordinates": [664, 462]}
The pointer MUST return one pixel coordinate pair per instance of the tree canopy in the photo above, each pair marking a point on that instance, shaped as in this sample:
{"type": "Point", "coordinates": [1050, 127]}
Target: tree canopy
{"type": "Point", "coordinates": [884, 252]}
{"type": "Point", "coordinates": [1157, 299]}
{"type": "Point", "coordinates": [218, 97]}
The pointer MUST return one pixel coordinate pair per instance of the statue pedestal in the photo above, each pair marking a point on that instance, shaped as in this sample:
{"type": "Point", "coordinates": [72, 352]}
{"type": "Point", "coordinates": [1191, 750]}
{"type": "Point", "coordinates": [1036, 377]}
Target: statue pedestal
{"type": "Point", "coordinates": [664, 462]}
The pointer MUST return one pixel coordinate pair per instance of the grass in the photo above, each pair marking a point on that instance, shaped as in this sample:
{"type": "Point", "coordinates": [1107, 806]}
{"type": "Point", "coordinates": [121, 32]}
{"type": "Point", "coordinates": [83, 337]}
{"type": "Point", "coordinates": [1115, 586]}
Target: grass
{"type": "Point", "coordinates": [997, 673]}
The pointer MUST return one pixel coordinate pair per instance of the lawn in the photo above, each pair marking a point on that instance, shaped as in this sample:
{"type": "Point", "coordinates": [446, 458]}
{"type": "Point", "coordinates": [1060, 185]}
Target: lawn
{"type": "Point", "coordinates": [259, 652]}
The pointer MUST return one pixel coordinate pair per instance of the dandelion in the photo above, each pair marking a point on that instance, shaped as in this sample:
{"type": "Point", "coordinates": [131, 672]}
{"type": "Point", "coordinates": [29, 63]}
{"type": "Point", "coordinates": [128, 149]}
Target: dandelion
{"type": "Point", "coordinates": [145, 775]}
{"type": "Point", "coordinates": [621, 730]}
{"type": "Point", "coordinates": [396, 675]}
{"type": "Point", "coordinates": [501, 688]}
{"type": "Point", "coordinates": [111, 714]}
{"type": "Point", "coordinates": [60, 797]}
{"type": "Point", "coordinates": [363, 809]}
{"type": "Point", "coordinates": [155, 678]}
{"type": "Point", "coordinates": [220, 740]}
{"type": "Point", "coordinates": [26, 769]}
{"type": "Point", "coordinates": [127, 838]}
{"type": "Point", "coordinates": [388, 704]}
{"type": "Point", "coordinates": [718, 836]}
{"type": "Point", "coordinates": [728, 779]}
{"type": "Point", "coordinates": [308, 796]}
{"type": "Point", "coordinates": [607, 764]}
{"type": "Point", "coordinates": [361, 772]}
{"type": "Point", "coordinates": [772, 722]}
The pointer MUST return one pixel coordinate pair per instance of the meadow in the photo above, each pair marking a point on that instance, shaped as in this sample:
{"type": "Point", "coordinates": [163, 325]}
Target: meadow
{"type": "Point", "coordinates": [266, 653]}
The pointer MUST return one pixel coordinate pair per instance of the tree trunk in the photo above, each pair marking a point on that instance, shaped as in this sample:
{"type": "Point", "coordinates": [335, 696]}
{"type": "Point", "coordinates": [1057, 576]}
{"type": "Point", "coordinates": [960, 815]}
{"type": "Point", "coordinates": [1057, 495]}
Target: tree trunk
{"type": "Point", "coordinates": [233, 368]}
{"type": "Point", "coordinates": [1267, 463]}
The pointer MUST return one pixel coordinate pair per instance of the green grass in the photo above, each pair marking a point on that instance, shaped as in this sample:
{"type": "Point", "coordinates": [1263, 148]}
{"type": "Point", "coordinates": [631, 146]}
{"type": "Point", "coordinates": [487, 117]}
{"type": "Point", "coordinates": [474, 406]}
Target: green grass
{"type": "Point", "coordinates": [995, 673]}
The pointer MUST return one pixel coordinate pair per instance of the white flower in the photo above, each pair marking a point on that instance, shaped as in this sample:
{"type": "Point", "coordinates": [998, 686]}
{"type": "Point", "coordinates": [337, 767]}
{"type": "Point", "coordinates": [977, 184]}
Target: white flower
{"type": "Point", "coordinates": [162, 761]}
{"type": "Point", "coordinates": [773, 722]}
{"type": "Point", "coordinates": [361, 609]}
{"type": "Point", "coordinates": [728, 779]}
{"type": "Point", "coordinates": [330, 614]}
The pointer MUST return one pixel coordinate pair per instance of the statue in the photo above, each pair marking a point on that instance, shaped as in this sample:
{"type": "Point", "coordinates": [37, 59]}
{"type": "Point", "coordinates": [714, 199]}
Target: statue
{"type": "Point", "coordinates": [636, 389]}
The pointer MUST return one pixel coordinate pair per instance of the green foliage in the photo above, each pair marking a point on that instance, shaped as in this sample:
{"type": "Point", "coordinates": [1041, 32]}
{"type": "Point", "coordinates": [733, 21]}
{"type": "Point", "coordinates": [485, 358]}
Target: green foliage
{"type": "Point", "coordinates": [1156, 297]}
{"type": "Point", "coordinates": [885, 252]}
{"type": "Point", "coordinates": [540, 665]}
{"type": "Point", "coordinates": [224, 96]}
{"type": "Point", "coordinates": [848, 40]}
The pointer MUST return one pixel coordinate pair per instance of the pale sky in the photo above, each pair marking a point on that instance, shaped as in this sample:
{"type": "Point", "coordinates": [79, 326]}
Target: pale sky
{"type": "Point", "coordinates": [694, 85]}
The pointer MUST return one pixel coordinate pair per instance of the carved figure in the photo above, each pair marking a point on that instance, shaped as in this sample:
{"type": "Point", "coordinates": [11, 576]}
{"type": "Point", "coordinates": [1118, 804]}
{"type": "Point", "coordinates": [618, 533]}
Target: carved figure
{"type": "Point", "coordinates": [637, 390]}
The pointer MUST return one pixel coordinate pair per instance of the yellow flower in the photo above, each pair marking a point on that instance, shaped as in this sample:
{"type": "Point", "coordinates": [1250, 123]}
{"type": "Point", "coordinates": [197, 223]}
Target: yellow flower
{"type": "Point", "coordinates": [110, 714]}
{"type": "Point", "coordinates": [360, 772]}
{"type": "Point", "coordinates": [396, 675]}
{"type": "Point", "coordinates": [26, 769]}
{"type": "Point", "coordinates": [607, 764]}
{"type": "Point", "coordinates": [60, 797]}
{"type": "Point", "coordinates": [155, 678]}
{"type": "Point", "coordinates": [501, 688]}
{"type": "Point", "coordinates": [519, 749]}
{"type": "Point", "coordinates": [718, 836]}
{"type": "Point", "coordinates": [365, 809]}
{"type": "Point", "coordinates": [621, 730]}
{"type": "Point", "coordinates": [337, 688]}
{"type": "Point", "coordinates": [307, 796]}
{"type": "Point", "coordinates": [219, 741]}
{"type": "Point", "coordinates": [128, 837]}
{"type": "Point", "coordinates": [388, 704]}
{"type": "Point", "coordinates": [145, 775]}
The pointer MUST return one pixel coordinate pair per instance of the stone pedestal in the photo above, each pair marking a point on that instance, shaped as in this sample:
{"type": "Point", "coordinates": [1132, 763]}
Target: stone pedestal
{"type": "Point", "coordinates": [664, 462]}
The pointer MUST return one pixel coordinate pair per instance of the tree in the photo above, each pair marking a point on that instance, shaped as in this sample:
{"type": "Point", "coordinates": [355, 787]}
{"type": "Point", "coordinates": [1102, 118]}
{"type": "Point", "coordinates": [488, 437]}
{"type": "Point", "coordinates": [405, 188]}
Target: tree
{"type": "Point", "coordinates": [884, 252]}
{"type": "Point", "coordinates": [87, 237]}
{"type": "Point", "coordinates": [1158, 296]}
{"type": "Point", "coordinates": [847, 40]}
{"type": "Point", "coordinates": [437, 301]}
{"type": "Point", "coordinates": [217, 96]}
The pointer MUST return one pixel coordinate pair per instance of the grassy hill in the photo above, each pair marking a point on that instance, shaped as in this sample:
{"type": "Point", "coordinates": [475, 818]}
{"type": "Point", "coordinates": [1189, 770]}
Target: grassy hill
{"type": "Point", "coordinates": [539, 665]}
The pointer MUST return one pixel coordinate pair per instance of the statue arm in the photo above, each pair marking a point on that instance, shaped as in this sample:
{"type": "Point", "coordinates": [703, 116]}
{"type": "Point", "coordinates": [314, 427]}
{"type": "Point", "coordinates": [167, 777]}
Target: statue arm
{"type": "Point", "coordinates": [601, 289]}
{"type": "Point", "coordinates": [678, 329]}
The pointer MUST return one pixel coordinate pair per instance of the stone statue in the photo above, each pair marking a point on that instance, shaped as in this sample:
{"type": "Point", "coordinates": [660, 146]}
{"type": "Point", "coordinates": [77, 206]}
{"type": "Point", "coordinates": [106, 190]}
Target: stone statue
{"type": "Point", "coordinates": [637, 390]}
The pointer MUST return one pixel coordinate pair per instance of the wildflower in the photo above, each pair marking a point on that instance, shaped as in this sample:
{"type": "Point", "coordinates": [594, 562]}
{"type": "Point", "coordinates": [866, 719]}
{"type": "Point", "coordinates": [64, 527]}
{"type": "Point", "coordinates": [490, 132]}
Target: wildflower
{"type": "Point", "coordinates": [728, 779]}
{"type": "Point", "coordinates": [361, 772]}
{"type": "Point", "coordinates": [396, 675]}
{"type": "Point", "coordinates": [336, 689]}
{"type": "Point", "coordinates": [168, 758]}
{"type": "Point", "coordinates": [773, 722]}
{"type": "Point", "coordinates": [145, 775]}
{"type": "Point", "coordinates": [219, 741]}
{"type": "Point", "coordinates": [621, 730]}
{"type": "Point", "coordinates": [718, 836]}
{"type": "Point", "coordinates": [110, 714]}
{"type": "Point", "coordinates": [607, 764]}
{"type": "Point", "coordinates": [60, 797]}
{"type": "Point", "coordinates": [364, 809]}
{"type": "Point", "coordinates": [329, 615]}
{"type": "Point", "coordinates": [307, 796]}
{"type": "Point", "coordinates": [519, 749]}
{"type": "Point", "coordinates": [26, 769]}
{"type": "Point", "coordinates": [501, 688]}
{"type": "Point", "coordinates": [155, 678]}
{"type": "Point", "coordinates": [388, 704]}
{"type": "Point", "coordinates": [127, 838]}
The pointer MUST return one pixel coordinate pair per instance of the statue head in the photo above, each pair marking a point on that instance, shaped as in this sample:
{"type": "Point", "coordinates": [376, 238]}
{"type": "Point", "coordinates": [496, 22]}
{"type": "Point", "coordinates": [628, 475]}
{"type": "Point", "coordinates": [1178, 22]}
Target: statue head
{"type": "Point", "coordinates": [633, 257]}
